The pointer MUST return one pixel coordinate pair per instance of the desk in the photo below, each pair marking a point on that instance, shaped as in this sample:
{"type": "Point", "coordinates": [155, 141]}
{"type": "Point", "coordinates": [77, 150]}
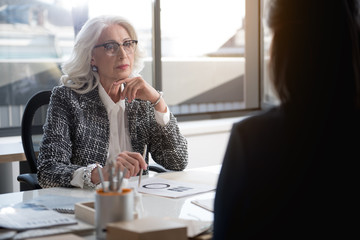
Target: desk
{"type": "Point", "coordinates": [153, 205]}
{"type": "Point", "coordinates": [12, 162]}
{"type": "Point", "coordinates": [11, 150]}
{"type": "Point", "coordinates": [11, 157]}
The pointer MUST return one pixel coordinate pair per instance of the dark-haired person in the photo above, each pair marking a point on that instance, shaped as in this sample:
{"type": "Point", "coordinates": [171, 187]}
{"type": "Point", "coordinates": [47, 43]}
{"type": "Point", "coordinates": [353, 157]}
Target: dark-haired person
{"type": "Point", "coordinates": [291, 172]}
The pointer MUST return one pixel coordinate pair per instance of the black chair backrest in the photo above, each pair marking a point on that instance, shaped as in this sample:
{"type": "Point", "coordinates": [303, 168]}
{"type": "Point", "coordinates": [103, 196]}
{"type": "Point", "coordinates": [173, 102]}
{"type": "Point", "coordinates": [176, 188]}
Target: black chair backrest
{"type": "Point", "coordinates": [36, 101]}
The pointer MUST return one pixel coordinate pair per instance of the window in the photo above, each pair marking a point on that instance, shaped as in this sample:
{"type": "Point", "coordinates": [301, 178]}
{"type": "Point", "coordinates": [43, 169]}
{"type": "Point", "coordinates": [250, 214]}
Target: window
{"type": "Point", "coordinates": [34, 38]}
{"type": "Point", "coordinates": [205, 58]}
{"type": "Point", "coordinates": [203, 55]}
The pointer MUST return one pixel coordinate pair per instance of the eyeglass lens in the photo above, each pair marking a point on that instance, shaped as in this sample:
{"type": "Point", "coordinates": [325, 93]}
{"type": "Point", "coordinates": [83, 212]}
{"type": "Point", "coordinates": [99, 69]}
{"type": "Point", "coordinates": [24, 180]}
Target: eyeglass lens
{"type": "Point", "coordinates": [113, 48]}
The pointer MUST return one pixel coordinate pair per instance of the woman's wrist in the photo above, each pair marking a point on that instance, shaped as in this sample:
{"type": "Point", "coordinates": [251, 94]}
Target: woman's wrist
{"type": "Point", "coordinates": [156, 102]}
{"type": "Point", "coordinates": [89, 178]}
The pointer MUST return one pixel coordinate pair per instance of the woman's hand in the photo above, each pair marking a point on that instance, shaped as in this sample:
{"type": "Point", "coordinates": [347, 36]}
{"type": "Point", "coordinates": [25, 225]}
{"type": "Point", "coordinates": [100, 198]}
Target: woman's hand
{"type": "Point", "coordinates": [138, 88]}
{"type": "Point", "coordinates": [132, 161]}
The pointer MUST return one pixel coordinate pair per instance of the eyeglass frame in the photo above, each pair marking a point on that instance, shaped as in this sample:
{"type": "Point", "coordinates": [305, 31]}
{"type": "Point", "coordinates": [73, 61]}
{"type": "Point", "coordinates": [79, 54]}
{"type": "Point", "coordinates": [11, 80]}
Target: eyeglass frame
{"type": "Point", "coordinates": [119, 45]}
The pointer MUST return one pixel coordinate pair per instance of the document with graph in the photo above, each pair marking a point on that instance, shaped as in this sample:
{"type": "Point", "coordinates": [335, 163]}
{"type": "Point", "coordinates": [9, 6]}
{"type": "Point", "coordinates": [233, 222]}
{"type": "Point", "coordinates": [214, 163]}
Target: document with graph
{"type": "Point", "coordinates": [170, 188]}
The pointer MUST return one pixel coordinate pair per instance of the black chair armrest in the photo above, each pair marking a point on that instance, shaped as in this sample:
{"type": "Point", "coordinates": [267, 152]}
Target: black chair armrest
{"type": "Point", "coordinates": [30, 179]}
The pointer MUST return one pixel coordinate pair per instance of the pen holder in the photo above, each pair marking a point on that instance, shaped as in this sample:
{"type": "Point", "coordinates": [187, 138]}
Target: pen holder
{"type": "Point", "coordinates": [112, 207]}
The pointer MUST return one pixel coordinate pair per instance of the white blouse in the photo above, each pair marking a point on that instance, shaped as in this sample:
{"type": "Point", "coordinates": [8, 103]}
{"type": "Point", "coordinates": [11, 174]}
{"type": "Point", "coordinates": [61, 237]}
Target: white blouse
{"type": "Point", "coordinates": [119, 131]}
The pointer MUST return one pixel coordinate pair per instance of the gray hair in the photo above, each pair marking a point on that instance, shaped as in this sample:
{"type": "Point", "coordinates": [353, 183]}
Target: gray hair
{"type": "Point", "coordinates": [77, 70]}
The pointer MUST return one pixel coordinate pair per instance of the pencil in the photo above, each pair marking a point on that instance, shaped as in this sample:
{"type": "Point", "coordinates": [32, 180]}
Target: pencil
{"type": "Point", "coordinates": [141, 170]}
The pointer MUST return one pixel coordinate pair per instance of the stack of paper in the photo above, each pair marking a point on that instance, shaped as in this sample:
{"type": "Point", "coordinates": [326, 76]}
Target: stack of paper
{"type": "Point", "coordinates": [24, 216]}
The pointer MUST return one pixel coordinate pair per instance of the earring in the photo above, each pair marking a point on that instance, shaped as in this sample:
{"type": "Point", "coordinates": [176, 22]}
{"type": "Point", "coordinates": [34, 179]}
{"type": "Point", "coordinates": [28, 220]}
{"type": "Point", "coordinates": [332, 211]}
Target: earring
{"type": "Point", "coordinates": [94, 68]}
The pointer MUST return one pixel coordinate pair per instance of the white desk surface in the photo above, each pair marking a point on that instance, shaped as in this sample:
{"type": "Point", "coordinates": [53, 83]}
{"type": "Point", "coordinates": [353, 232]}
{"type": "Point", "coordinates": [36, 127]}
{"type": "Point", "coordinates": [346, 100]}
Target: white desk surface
{"type": "Point", "coordinates": [11, 150]}
{"type": "Point", "coordinates": [154, 206]}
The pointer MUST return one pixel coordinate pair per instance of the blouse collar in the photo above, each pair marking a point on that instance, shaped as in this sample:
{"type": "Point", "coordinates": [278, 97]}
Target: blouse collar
{"type": "Point", "coordinates": [107, 101]}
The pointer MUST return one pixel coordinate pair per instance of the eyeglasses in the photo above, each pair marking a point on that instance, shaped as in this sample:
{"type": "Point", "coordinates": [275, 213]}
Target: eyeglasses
{"type": "Point", "coordinates": [113, 48]}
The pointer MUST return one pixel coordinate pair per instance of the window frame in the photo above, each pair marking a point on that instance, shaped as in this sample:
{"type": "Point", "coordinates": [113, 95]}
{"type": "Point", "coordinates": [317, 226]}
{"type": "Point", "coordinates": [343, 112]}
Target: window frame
{"type": "Point", "coordinates": [253, 65]}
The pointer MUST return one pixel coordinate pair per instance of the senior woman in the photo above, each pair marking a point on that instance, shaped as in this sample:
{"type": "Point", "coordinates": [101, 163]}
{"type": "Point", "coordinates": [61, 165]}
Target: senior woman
{"type": "Point", "coordinates": [105, 112]}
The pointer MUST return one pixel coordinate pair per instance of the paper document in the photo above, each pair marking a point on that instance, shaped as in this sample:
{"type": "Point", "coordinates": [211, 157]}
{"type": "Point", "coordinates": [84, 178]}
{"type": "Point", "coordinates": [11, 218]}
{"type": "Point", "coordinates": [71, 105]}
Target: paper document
{"type": "Point", "coordinates": [207, 204]}
{"type": "Point", "coordinates": [24, 216]}
{"type": "Point", "coordinates": [59, 201]}
{"type": "Point", "coordinates": [170, 188]}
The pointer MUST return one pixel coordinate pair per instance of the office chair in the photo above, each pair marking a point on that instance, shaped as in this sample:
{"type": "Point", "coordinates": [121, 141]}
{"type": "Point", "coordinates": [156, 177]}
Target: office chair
{"type": "Point", "coordinates": [28, 129]}
{"type": "Point", "coordinates": [36, 102]}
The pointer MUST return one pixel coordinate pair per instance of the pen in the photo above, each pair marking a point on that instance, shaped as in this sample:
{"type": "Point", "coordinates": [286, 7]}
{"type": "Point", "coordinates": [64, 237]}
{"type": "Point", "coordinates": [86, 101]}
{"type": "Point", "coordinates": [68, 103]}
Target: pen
{"type": "Point", "coordinates": [120, 179]}
{"type": "Point", "coordinates": [141, 170]}
{"type": "Point", "coordinates": [111, 176]}
{"type": "Point", "coordinates": [117, 176]}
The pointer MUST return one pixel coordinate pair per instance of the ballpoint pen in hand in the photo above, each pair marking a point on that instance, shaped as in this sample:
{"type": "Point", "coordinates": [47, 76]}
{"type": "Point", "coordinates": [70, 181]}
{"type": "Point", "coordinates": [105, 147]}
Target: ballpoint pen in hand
{"type": "Point", "coordinates": [141, 170]}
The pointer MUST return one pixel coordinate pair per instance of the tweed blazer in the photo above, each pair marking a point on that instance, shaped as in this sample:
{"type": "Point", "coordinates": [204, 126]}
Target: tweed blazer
{"type": "Point", "coordinates": [77, 129]}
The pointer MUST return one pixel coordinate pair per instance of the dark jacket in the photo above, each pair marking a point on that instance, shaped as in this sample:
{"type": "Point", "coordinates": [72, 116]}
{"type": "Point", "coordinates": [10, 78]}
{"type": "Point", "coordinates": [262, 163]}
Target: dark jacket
{"type": "Point", "coordinates": [289, 175]}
